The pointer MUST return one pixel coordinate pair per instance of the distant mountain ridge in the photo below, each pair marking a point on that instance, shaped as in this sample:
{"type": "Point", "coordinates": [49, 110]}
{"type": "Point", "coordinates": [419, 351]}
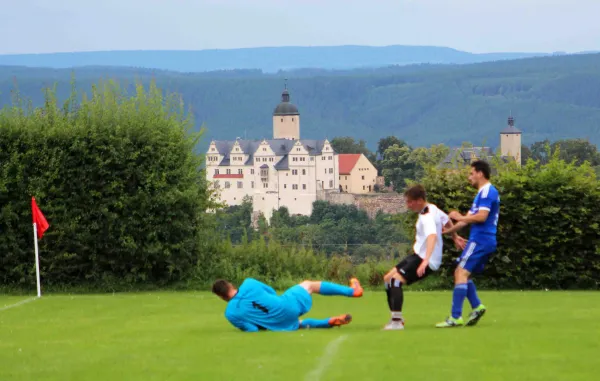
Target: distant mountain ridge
{"type": "Point", "coordinates": [267, 59]}
{"type": "Point", "coordinates": [552, 97]}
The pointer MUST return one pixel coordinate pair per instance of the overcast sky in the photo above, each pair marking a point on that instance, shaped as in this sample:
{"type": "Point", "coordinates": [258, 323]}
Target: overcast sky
{"type": "Point", "coordinates": [41, 26]}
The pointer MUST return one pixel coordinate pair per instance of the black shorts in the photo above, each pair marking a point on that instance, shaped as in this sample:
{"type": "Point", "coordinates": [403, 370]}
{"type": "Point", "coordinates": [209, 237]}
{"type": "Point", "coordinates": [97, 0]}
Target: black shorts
{"type": "Point", "coordinates": [408, 269]}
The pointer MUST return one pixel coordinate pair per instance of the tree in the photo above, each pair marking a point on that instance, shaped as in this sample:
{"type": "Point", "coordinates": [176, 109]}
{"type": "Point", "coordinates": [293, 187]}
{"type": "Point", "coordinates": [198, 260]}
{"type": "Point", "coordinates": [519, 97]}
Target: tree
{"type": "Point", "coordinates": [423, 158]}
{"type": "Point", "coordinates": [396, 166]}
{"type": "Point", "coordinates": [387, 142]}
{"type": "Point", "coordinates": [347, 144]}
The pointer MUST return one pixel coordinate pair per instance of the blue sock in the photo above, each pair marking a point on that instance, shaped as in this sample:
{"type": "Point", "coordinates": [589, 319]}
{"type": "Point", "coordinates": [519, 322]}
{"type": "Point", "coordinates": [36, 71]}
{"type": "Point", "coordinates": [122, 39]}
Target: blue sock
{"type": "Point", "coordinates": [328, 288]}
{"type": "Point", "coordinates": [314, 323]}
{"type": "Point", "coordinates": [458, 298]}
{"type": "Point", "coordinates": [472, 294]}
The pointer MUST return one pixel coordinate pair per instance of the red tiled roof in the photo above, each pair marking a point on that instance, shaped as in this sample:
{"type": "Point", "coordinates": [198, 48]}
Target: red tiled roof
{"type": "Point", "coordinates": [347, 162]}
{"type": "Point", "coordinates": [226, 176]}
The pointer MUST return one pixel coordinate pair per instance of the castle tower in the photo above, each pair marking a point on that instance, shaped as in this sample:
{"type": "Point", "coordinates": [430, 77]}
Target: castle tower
{"type": "Point", "coordinates": [286, 119]}
{"type": "Point", "coordinates": [510, 141]}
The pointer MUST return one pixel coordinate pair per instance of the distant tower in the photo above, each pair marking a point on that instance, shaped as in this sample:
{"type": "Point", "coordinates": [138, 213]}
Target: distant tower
{"type": "Point", "coordinates": [286, 118]}
{"type": "Point", "coordinates": [510, 141]}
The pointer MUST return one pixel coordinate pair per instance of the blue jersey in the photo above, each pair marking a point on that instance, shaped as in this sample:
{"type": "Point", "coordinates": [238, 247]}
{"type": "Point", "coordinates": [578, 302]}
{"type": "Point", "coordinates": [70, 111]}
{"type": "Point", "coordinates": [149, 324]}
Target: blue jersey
{"type": "Point", "coordinates": [488, 199]}
{"type": "Point", "coordinates": [256, 306]}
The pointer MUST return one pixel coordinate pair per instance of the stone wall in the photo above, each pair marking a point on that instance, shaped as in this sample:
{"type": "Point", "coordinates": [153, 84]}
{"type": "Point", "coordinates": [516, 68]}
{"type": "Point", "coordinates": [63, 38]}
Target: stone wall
{"type": "Point", "coordinates": [390, 203]}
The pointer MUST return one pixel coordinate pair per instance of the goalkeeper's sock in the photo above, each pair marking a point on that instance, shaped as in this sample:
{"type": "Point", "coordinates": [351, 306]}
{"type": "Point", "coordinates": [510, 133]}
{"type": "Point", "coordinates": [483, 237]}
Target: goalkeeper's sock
{"type": "Point", "coordinates": [328, 288]}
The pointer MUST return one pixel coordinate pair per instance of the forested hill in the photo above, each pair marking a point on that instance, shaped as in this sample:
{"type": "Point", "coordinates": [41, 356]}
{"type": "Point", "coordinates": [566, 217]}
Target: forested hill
{"type": "Point", "coordinates": [550, 97]}
{"type": "Point", "coordinates": [269, 59]}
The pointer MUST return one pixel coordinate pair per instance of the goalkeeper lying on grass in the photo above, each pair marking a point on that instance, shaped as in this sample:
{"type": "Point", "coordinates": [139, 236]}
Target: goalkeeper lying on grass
{"type": "Point", "coordinates": [256, 306]}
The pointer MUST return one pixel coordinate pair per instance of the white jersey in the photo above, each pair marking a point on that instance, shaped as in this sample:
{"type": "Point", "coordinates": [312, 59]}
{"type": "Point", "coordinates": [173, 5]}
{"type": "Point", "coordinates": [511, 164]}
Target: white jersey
{"type": "Point", "coordinates": [431, 221]}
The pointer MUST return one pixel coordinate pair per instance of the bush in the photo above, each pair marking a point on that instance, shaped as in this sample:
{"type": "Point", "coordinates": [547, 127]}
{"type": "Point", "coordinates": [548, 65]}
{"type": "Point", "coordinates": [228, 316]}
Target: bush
{"type": "Point", "coordinates": [117, 179]}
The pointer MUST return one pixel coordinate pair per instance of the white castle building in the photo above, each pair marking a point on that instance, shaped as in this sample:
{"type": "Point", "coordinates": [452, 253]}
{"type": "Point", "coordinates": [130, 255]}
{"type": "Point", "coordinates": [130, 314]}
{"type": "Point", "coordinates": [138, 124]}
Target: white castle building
{"type": "Point", "coordinates": [283, 171]}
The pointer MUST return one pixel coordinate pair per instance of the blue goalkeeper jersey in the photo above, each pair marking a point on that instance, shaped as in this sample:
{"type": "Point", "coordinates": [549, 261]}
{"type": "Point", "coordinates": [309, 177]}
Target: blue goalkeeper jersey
{"type": "Point", "coordinates": [488, 199]}
{"type": "Point", "coordinates": [256, 306]}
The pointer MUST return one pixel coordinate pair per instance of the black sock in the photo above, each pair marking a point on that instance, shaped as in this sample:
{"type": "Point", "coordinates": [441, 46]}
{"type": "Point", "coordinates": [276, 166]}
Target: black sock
{"type": "Point", "coordinates": [389, 295]}
{"type": "Point", "coordinates": [396, 298]}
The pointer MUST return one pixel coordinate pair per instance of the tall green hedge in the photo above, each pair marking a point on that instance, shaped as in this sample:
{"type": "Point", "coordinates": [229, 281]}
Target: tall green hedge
{"type": "Point", "coordinates": [549, 226]}
{"type": "Point", "coordinates": [118, 180]}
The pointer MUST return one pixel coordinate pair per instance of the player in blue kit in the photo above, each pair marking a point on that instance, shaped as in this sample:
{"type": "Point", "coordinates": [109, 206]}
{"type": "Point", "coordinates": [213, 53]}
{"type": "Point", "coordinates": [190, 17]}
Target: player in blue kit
{"type": "Point", "coordinates": [483, 218]}
{"type": "Point", "coordinates": [256, 306]}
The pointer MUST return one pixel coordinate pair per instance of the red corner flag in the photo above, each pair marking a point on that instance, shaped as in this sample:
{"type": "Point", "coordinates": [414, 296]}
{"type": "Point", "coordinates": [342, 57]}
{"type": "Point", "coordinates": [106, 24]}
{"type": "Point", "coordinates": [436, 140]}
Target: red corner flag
{"type": "Point", "coordinates": [38, 219]}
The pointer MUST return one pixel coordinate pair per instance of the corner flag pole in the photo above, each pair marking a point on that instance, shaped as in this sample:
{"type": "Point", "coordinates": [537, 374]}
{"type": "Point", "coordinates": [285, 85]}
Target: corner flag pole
{"type": "Point", "coordinates": [37, 261]}
{"type": "Point", "coordinates": [39, 221]}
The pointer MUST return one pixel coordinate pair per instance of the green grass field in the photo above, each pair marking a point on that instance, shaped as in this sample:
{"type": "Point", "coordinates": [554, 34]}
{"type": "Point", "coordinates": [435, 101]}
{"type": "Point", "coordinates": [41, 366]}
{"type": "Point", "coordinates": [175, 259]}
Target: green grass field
{"type": "Point", "coordinates": [183, 336]}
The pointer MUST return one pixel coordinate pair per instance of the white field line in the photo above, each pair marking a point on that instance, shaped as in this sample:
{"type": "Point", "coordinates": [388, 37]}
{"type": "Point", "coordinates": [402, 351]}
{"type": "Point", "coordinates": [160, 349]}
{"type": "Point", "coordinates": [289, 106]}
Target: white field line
{"type": "Point", "coordinates": [330, 351]}
{"type": "Point", "coordinates": [17, 304]}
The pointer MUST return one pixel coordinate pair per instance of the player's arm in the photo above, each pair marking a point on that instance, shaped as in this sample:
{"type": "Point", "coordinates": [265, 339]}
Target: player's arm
{"type": "Point", "coordinates": [484, 206]}
{"type": "Point", "coordinates": [431, 233]}
{"type": "Point", "coordinates": [242, 325]}
{"type": "Point", "coordinates": [451, 228]}
{"type": "Point", "coordinates": [470, 218]}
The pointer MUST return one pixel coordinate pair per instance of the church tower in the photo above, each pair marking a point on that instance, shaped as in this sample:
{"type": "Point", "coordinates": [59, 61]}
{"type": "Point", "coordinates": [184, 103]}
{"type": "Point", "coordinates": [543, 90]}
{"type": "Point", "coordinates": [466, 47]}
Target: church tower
{"type": "Point", "coordinates": [510, 141]}
{"type": "Point", "coordinates": [286, 119]}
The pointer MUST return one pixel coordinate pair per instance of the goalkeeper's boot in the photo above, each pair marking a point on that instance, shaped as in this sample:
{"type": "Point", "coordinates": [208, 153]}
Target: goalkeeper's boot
{"type": "Point", "coordinates": [337, 321]}
{"type": "Point", "coordinates": [451, 322]}
{"type": "Point", "coordinates": [358, 290]}
{"type": "Point", "coordinates": [476, 315]}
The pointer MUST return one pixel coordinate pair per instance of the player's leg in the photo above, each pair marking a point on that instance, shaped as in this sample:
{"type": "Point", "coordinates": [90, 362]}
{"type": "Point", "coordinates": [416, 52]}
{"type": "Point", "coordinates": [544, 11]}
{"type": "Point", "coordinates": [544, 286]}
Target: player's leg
{"type": "Point", "coordinates": [470, 260]}
{"type": "Point", "coordinates": [478, 308]}
{"type": "Point", "coordinates": [335, 321]}
{"type": "Point", "coordinates": [405, 273]}
{"type": "Point", "coordinates": [393, 287]}
{"type": "Point", "coordinates": [328, 289]}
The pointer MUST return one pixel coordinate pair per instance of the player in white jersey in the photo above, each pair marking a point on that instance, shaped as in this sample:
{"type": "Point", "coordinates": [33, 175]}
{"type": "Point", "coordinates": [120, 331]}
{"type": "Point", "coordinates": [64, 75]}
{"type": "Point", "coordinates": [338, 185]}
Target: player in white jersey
{"type": "Point", "coordinates": [427, 249]}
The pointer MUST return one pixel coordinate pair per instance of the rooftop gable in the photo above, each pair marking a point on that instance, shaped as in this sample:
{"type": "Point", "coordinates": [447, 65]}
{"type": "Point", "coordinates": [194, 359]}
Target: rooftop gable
{"type": "Point", "coordinates": [347, 162]}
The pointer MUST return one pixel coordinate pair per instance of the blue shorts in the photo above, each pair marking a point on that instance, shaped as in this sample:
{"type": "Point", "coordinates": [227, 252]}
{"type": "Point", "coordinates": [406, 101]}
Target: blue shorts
{"type": "Point", "coordinates": [475, 256]}
{"type": "Point", "coordinates": [297, 299]}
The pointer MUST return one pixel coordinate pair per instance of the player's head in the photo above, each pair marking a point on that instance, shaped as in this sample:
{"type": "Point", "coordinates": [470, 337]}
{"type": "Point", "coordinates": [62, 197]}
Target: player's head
{"type": "Point", "coordinates": [480, 173]}
{"type": "Point", "coordinates": [416, 198]}
{"type": "Point", "coordinates": [223, 289]}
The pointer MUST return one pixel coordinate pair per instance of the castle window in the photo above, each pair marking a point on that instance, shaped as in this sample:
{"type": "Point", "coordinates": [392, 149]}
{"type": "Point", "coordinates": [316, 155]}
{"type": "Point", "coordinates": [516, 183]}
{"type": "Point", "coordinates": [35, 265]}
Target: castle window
{"type": "Point", "coordinates": [304, 171]}
{"type": "Point", "coordinates": [240, 171]}
{"type": "Point", "coordinates": [264, 149]}
{"type": "Point", "coordinates": [240, 185]}
{"type": "Point", "coordinates": [330, 183]}
{"type": "Point", "coordinates": [284, 186]}
{"type": "Point", "coordinates": [298, 149]}
{"type": "Point", "coordinates": [216, 171]}
{"type": "Point", "coordinates": [294, 186]}
{"type": "Point", "coordinates": [303, 186]}
{"type": "Point", "coordinates": [251, 184]}
{"type": "Point", "coordinates": [292, 119]}
{"type": "Point", "coordinates": [282, 119]}
{"type": "Point", "coordinates": [294, 171]}
{"type": "Point", "coordinates": [362, 177]}
{"type": "Point", "coordinates": [252, 172]}
{"type": "Point", "coordinates": [265, 185]}
{"type": "Point", "coordinates": [229, 171]}
{"type": "Point", "coordinates": [330, 170]}
{"type": "Point", "coordinates": [227, 184]}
